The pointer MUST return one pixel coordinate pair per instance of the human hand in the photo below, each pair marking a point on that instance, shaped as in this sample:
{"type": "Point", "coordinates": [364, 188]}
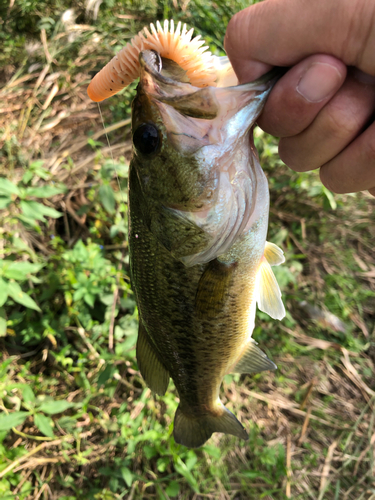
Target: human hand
{"type": "Point", "coordinates": [323, 107]}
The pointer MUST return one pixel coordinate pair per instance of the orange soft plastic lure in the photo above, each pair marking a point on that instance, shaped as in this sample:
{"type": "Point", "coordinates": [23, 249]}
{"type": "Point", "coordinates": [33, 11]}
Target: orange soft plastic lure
{"type": "Point", "coordinates": [175, 44]}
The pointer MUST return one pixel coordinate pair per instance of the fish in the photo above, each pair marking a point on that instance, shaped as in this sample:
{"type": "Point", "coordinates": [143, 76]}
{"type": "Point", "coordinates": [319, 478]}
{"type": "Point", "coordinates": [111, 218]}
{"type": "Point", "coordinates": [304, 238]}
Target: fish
{"type": "Point", "coordinates": [198, 217]}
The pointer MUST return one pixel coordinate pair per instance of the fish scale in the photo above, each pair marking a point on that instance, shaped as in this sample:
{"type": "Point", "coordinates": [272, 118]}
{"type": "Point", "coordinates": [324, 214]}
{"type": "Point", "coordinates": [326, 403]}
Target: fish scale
{"type": "Point", "coordinates": [198, 318]}
{"type": "Point", "coordinates": [198, 218]}
{"type": "Point", "coordinates": [166, 297]}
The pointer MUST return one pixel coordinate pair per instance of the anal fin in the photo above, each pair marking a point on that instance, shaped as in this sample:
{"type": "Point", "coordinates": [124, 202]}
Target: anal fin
{"type": "Point", "coordinates": [253, 360]}
{"type": "Point", "coordinates": [152, 370]}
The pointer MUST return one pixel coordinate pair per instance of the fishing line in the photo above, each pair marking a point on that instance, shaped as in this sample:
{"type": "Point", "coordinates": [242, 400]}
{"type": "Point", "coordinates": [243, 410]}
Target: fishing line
{"type": "Point", "coordinates": [115, 295]}
{"type": "Point", "coordinates": [110, 150]}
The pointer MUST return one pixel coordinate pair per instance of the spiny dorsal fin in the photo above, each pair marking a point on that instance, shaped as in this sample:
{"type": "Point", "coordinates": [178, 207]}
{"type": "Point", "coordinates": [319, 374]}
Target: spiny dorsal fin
{"type": "Point", "coordinates": [193, 432]}
{"type": "Point", "coordinates": [273, 254]}
{"type": "Point", "coordinates": [269, 294]}
{"type": "Point", "coordinates": [254, 360]}
{"type": "Point", "coordinates": [153, 372]}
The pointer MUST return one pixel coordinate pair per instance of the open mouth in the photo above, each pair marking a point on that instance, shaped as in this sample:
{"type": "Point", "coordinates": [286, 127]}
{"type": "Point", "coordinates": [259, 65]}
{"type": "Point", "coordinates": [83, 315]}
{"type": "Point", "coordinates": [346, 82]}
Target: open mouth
{"type": "Point", "coordinates": [197, 117]}
{"type": "Point", "coordinates": [213, 126]}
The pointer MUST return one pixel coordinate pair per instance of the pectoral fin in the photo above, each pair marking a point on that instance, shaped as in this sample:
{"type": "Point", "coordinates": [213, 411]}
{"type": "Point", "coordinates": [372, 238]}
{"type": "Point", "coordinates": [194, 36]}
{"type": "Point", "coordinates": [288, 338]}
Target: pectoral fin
{"type": "Point", "coordinates": [273, 254]}
{"type": "Point", "coordinates": [152, 370]}
{"type": "Point", "coordinates": [213, 288]}
{"type": "Point", "coordinates": [180, 236]}
{"type": "Point", "coordinates": [269, 294]}
{"type": "Point", "coordinates": [254, 360]}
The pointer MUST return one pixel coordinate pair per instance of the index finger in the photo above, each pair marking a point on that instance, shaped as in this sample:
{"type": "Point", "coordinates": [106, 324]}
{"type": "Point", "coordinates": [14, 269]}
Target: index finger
{"type": "Point", "coordinates": [283, 32]}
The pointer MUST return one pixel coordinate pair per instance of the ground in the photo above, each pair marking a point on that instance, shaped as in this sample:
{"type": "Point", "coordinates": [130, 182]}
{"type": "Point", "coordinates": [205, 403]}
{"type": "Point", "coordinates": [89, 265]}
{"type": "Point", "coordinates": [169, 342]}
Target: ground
{"type": "Point", "coordinates": [77, 420]}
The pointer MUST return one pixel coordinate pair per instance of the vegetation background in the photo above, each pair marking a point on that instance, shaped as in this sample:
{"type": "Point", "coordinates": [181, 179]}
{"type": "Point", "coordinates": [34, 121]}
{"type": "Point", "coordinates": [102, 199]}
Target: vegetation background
{"type": "Point", "coordinates": [76, 420]}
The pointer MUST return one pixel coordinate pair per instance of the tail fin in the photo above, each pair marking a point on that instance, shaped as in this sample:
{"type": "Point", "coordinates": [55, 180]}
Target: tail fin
{"type": "Point", "coordinates": [193, 432]}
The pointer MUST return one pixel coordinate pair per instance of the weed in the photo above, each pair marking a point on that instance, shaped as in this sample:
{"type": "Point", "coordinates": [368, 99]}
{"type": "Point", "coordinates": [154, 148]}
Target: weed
{"type": "Point", "coordinates": [77, 421]}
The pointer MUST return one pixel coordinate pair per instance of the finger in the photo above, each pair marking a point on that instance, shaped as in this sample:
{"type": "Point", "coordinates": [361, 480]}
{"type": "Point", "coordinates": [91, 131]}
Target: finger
{"type": "Point", "coordinates": [354, 168]}
{"type": "Point", "coordinates": [282, 33]}
{"type": "Point", "coordinates": [299, 95]}
{"type": "Point", "coordinates": [340, 121]}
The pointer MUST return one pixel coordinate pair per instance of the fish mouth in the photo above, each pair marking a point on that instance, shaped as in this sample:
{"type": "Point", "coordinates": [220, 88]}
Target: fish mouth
{"type": "Point", "coordinates": [198, 117]}
{"type": "Point", "coordinates": [213, 125]}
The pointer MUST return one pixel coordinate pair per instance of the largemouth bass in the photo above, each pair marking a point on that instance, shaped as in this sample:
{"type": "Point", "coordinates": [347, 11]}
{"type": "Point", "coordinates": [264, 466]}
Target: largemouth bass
{"type": "Point", "coordinates": [198, 218]}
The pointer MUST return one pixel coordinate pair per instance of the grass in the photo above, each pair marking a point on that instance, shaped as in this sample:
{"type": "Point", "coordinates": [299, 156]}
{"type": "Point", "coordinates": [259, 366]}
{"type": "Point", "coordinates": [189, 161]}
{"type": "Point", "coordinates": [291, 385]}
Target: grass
{"type": "Point", "coordinates": [77, 421]}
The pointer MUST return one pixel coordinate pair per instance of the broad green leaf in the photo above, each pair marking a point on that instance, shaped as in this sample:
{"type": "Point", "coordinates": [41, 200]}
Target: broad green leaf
{"type": "Point", "coordinates": [45, 191]}
{"type": "Point", "coordinates": [12, 419]}
{"type": "Point", "coordinates": [127, 476]}
{"type": "Point", "coordinates": [212, 451]}
{"type": "Point", "coordinates": [42, 173]}
{"type": "Point", "coordinates": [8, 187]}
{"type": "Point", "coordinates": [15, 291]}
{"type": "Point", "coordinates": [4, 202]}
{"type": "Point", "coordinates": [106, 374]}
{"type": "Point", "coordinates": [149, 451]}
{"type": "Point", "coordinates": [21, 270]}
{"type": "Point", "coordinates": [27, 394]}
{"type": "Point", "coordinates": [50, 212]}
{"type": "Point", "coordinates": [44, 424]}
{"type": "Point", "coordinates": [162, 463]}
{"type": "Point", "coordinates": [31, 210]}
{"type": "Point", "coordinates": [173, 489]}
{"type": "Point", "coordinates": [123, 347]}
{"type": "Point", "coordinates": [107, 299]}
{"type": "Point", "coordinates": [107, 198]}
{"type": "Point", "coordinates": [27, 221]}
{"type": "Point", "coordinates": [89, 299]}
{"type": "Point", "coordinates": [5, 364]}
{"type": "Point", "coordinates": [3, 291]}
{"type": "Point", "coordinates": [36, 165]}
{"type": "Point", "coordinates": [78, 294]}
{"type": "Point", "coordinates": [3, 323]}
{"type": "Point", "coordinates": [183, 470]}
{"type": "Point", "coordinates": [117, 228]}
{"type": "Point", "coordinates": [20, 244]}
{"type": "Point", "coordinates": [191, 461]}
{"type": "Point", "coordinates": [35, 280]}
{"type": "Point", "coordinates": [122, 169]}
{"type": "Point", "coordinates": [330, 197]}
{"type": "Point", "coordinates": [94, 143]}
{"type": "Point", "coordinates": [68, 423]}
{"type": "Point", "coordinates": [27, 176]}
{"type": "Point", "coordinates": [35, 210]}
{"type": "Point", "coordinates": [53, 407]}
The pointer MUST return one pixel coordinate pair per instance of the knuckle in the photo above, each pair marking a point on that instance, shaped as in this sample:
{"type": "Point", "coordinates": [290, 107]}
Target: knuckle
{"type": "Point", "coordinates": [289, 153]}
{"type": "Point", "coordinates": [329, 181]}
{"type": "Point", "coordinates": [362, 32]}
{"type": "Point", "coordinates": [342, 120]}
{"type": "Point", "coordinates": [370, 147]}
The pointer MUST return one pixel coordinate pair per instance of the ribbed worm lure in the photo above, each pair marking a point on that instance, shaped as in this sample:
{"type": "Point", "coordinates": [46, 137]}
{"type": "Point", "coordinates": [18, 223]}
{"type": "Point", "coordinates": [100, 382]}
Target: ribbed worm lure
{"type": "Point", "coordinates": [170, 42]}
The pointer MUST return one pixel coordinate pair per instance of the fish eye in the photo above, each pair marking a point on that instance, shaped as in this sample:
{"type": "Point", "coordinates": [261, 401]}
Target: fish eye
{"type": "Point", "coordinates": [146, 139]}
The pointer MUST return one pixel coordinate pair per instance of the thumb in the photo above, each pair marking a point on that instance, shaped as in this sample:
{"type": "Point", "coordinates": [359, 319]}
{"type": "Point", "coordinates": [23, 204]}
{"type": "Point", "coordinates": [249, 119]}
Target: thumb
{"type": "Point", "coordinates": [283, 32]}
